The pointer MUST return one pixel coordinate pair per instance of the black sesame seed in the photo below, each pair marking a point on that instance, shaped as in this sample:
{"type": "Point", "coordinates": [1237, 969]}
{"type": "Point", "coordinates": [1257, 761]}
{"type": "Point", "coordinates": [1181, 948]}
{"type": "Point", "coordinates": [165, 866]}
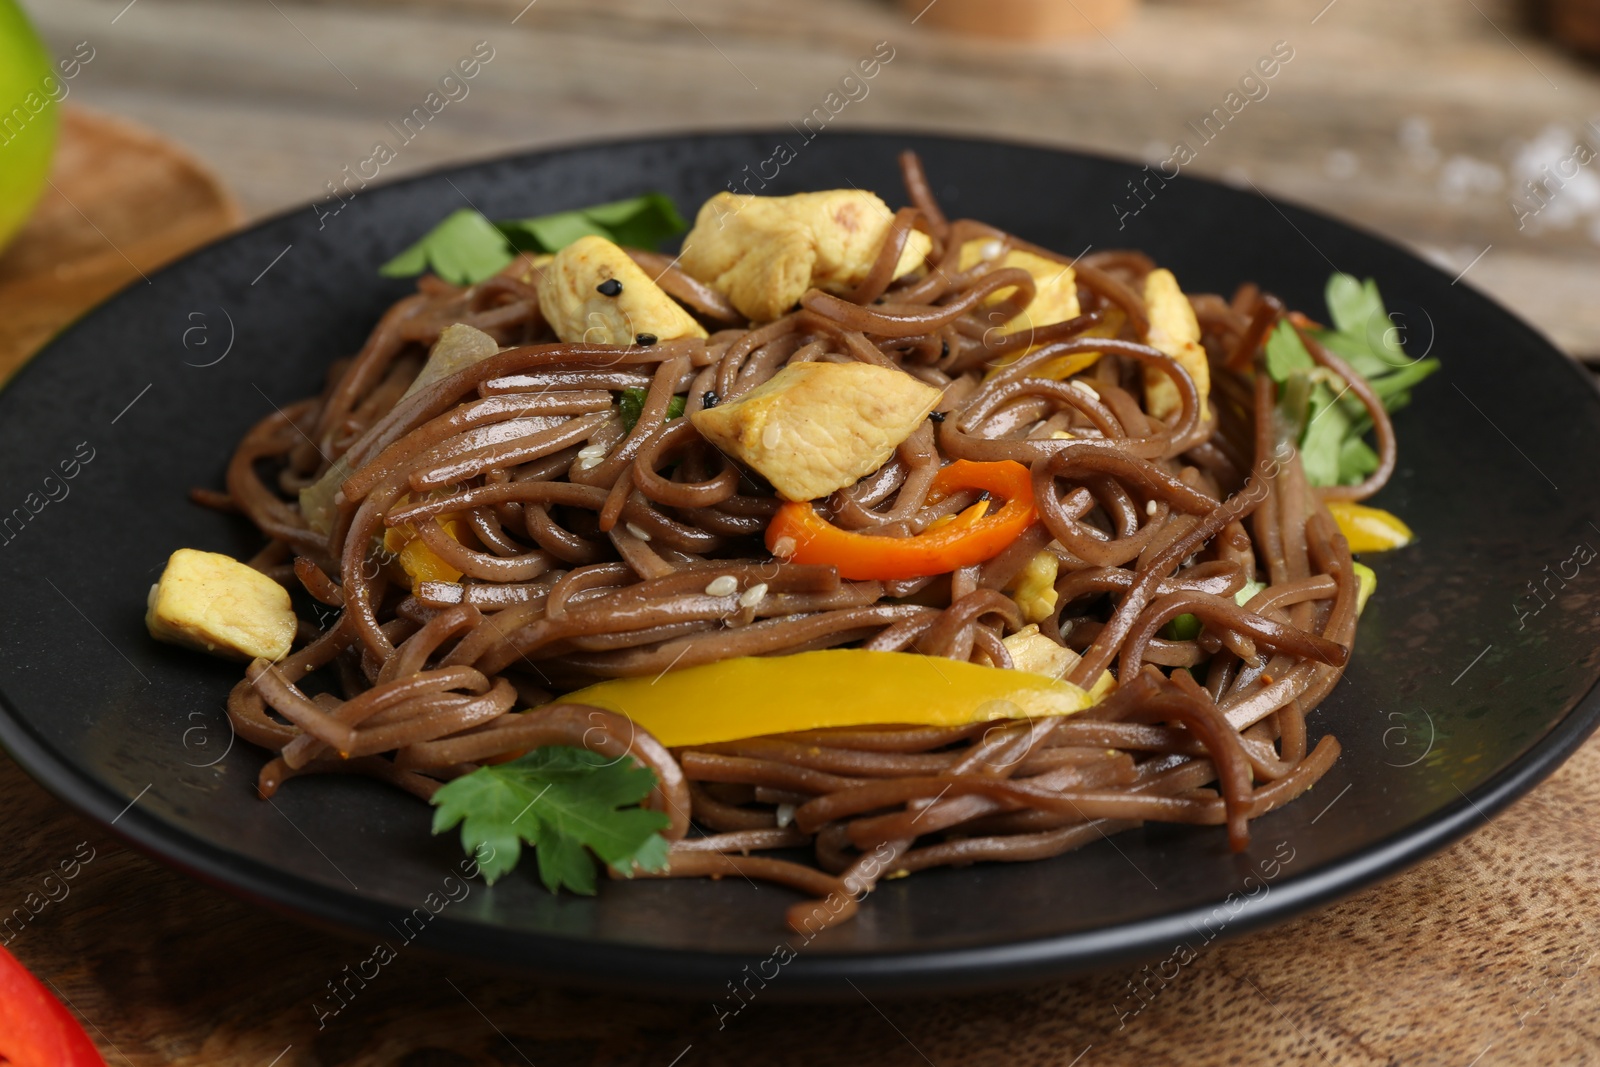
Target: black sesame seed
{"type": "Point", "coordinates": [610, 287]}
{"type": "Point", "coordinates": [709, 399]}
{"type": "Point", "coordinates": [944, 349]}
{"type": "Point", "coordinates": [645, 339]}
{"type": "Point", "coordinates": [936, 416]}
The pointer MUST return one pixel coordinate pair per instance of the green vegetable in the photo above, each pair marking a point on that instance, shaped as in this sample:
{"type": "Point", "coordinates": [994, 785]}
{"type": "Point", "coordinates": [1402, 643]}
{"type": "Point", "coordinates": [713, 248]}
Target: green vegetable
{"type": "Point", "coordinates": [566, 802]}
{"type": "Point", "coordinates": [1248, 593]}
{"type": "Point", "coordinates": [1358, 312]}
{"type": "Point", "coordinates": [1366, 585]}
{"type": "Point", "coordinates": [631, 404]}
{"type": "Point", "coordinates": [1183, 627]}
{"type": "Point", "coordinates": [1356, 460]}
{"type": "Point", "coordinates": [1286, 353]}
{"type": "Point", "coordinates": [1394, 387]}
{"type": "Point", "coordinates": [1186, 627]}
{"type": "Point", "coordinates": [1322, 441]}
{"type": "Point", "coordinates": [466, 247]}
{"type": "Point", "coordinates": [1329, 423]}
{"type": "Point", "coordinates": [463, 249]}
{"type": "Point", "coordinates": [642, 222]}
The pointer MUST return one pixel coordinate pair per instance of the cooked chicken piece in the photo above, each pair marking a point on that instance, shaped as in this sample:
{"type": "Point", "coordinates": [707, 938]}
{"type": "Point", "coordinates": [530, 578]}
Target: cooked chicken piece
{"type": "Point", "coordinates": [1175, 331]}
{"type": "Point", "coordinates": [592, 293]}
{"type": "Point", "coordinates": [1056, 299]}
{"type": "Point", "coordinates": [817, 427]}
{"type": "Point", "coordinates": [1035, 588]}
{"type": "Point", "coordinates": [214, 603]}
{"type": "Point", "coordinates": [1035, 652]}
{"type": "Point", "coordinates": [764, 252]}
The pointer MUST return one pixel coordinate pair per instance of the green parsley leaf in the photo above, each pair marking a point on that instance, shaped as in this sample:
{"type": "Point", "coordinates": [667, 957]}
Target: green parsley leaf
{"type": "Point", "coordinates": [630, 405]}
{"type": "Point", "coordinates": [1327, 426]}
{"type": "Point", "coordinates": [1354, 350]}
{"type": "Point", "coordinates": [1294, 398]}
{"type": "Point", "coordinates": [1396, 401]}
{"type": "Point", "coordinates": [466, 247]}
{"type": "Point", "coordinates": [1356, 460]}
{"type": "Point", "coordinates": [1286, 353]}
{"type": "Point", "coordinates": [640, 222]}
{"type": "Point", "coordinates": [1330, 425]}
{"type": "Point", "coordinates": [463, 249]}
{"type": "Point", "coordinates": [571, 804]}
{"type": "Point", "coordinates": [1349, 302]}
{"type": "Point", "coordinates": [1358, 311]}
{"type": "Point", "coordinates": [1401, 380]}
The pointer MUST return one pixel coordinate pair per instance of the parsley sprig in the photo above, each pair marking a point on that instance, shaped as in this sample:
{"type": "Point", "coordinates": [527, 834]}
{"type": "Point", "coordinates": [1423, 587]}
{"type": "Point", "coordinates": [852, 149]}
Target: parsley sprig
{"type": "Point", "coordinates": [466, 247]}
{"type": "Point", "coordinates": [570, 804]}
{"type": "Point", "coordinates": [1328, 422]}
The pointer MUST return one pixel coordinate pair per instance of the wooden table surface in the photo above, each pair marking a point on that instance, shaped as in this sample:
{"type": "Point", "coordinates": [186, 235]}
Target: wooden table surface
{"type": "Point", "coordinates": [1418, 118]}
{"type": "Point", "coordinates": [1483, 955]}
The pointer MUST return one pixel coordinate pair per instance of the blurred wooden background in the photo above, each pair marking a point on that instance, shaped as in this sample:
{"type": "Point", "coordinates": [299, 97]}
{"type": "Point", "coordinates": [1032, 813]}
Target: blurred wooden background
{"type": "Point", "coordinates": [1419, 119]}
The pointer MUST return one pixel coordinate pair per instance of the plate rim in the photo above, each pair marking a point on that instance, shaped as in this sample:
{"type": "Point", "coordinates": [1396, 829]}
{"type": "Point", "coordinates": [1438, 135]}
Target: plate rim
{"type": "Point", "coordinates": [608, 965]}
{"type": "Point", "coordinates": [812, 976]}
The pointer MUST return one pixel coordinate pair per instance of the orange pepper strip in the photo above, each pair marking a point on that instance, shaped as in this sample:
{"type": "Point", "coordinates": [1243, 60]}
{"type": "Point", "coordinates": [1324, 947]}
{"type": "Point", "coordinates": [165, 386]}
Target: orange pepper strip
{"type": "Point", "coordinates": [972, 537]}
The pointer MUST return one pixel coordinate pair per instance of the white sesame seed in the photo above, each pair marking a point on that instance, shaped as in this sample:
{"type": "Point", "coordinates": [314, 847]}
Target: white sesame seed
{"type": "Point", "coordinates": [723, 585]}
{"type": "Point", "coordinates": [991, 249]}
{"type": "Point", "coordinates": [643, 535]}
{"type": "Point", "coordinates": [591, 456]}
{"type": "Point", "coordinates": [599, 450]}
{"type": "Point", "coordinates": [753, 596]}
{"type": "Point", "coordinates": [771, 435]}
{"type": "Point", "coordinates": [785, 815]}
{"type": "Point", "coordinates": [1151, 508]}
{"type": "Point", "coordinates": [1083, 387]}
{"type": "Point", "coordinates": [784, 547]}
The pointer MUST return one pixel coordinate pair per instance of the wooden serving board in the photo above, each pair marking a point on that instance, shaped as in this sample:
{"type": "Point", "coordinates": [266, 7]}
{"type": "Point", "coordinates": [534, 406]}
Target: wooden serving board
{"type": "Point", "coordinates": [1486, 954]}
{"type": "Point", "coordinates": [122, 203]}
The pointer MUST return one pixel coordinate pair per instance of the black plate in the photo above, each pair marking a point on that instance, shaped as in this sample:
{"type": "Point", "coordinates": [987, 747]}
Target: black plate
{"type": "Point", "coordinates": [1460, 698]}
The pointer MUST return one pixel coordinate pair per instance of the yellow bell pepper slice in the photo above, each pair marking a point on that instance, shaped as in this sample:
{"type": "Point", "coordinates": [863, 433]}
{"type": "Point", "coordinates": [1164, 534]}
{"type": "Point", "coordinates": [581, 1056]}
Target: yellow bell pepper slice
{"type": "Point", "coordinates": [1369, 529]}
{"type": "Point", "coordinates": [419, 561]}
{"type": "Point", "coordinates": [1063, 367]}
{"type": "Point", "coordinates": [1056, 287]}
{"type": "Point", "coordinates": [1055, 300]}
{"type": "Point", "coordinates": [752, 696]}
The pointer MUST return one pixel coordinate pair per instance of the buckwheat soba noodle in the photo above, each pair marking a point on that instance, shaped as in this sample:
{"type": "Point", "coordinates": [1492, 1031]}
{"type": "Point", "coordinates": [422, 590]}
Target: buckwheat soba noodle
{"type": "Point", "coordinates": [901, 456]}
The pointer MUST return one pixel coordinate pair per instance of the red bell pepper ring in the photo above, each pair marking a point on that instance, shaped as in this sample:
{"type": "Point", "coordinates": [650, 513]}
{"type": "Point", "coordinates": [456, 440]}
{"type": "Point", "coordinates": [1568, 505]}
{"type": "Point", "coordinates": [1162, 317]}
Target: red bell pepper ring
{"type": "Point", "coordinates": [799, 535]}
{"type": "Point", "coordinates": [35, 1029]}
